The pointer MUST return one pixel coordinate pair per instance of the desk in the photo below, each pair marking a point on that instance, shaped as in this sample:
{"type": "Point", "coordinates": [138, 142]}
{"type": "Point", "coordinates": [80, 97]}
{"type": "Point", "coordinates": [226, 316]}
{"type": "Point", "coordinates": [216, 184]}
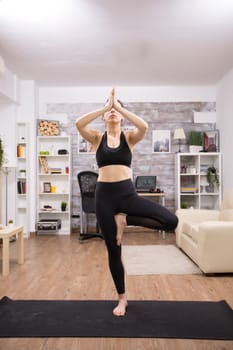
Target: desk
{"type": "Point", "coordinates": [5, 235]}
{"type": "Point", "coordinates": [153, 195]}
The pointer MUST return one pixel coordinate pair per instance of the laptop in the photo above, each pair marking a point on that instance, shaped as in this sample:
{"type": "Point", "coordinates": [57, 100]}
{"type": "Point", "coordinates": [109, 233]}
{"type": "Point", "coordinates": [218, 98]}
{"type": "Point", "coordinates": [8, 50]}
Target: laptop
{"type": "Point", "coordinates": [145, 183]}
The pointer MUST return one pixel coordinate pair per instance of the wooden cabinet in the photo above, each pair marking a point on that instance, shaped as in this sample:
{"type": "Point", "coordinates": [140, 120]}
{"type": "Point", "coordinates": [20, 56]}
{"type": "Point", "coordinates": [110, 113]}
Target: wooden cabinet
{"type": "Point", "coordinates": [192, 187]}
{"type": "Point", "coordinates": [53, 182]}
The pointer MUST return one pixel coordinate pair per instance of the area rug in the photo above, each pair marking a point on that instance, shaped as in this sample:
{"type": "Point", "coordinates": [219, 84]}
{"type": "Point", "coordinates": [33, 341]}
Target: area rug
{"type": "Point", "coordinates": [157, 259]}
{"type": "Point", "coordinates": [93, 318]}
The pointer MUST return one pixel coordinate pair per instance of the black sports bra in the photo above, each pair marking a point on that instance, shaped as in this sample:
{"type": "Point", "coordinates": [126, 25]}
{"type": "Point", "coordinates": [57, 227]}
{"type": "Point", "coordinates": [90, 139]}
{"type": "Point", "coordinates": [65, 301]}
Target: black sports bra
{"type": "Point", "coordinates": [120, 155]}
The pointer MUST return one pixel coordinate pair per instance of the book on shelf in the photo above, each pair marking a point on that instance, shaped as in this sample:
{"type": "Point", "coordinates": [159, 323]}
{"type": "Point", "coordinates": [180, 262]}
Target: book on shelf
{"type": "Point", "coordinates": [189, 190]}
{"type": "Point", "coordinates": [55, 171]}
{"type": "Point", "coordinates": [21, 186]}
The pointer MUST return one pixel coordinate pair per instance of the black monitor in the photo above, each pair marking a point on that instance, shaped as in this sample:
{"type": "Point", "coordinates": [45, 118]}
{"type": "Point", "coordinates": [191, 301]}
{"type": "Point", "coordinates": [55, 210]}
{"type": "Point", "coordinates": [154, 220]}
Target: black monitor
{"type": "Point", "coordinates": [145, 183]}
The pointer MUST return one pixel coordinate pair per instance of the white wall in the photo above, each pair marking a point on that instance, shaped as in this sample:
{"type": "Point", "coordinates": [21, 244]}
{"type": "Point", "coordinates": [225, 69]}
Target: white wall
{"type": "Point", "coordinates": [9, 87]}
{"type": "Point", "coordinates": [224, 99]}
{"type": "Point", "coordinates": [8, 135]}
{"type": "Point", "coordinates": [125, 93]}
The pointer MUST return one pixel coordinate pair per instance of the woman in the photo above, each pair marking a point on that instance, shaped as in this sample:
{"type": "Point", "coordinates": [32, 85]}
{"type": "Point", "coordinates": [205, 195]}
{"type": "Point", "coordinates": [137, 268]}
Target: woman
{"type": "Point", "coordinates": [117, 203]}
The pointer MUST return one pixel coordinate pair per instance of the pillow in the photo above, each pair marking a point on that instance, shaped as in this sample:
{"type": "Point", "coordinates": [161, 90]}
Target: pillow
{"type": "Point", "coordinates": [227, 202]}
{"type": "Point", "coordinates": [226, 215]}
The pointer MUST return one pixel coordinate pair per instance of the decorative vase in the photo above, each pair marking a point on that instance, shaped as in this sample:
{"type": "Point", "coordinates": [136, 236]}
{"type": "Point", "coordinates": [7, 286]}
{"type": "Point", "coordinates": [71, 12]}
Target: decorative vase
{"type": "Point", "coordinates": [210, 188]}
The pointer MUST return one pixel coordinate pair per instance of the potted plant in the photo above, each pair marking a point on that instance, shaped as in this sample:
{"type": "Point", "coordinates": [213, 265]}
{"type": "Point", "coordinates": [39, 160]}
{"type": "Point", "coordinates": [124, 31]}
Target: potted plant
{"type": "Point", "coordinates": [10, 223]}
{"type": "Point", "coordinates": [212, 178]}
{"type": "Point", "coordinates": [184, 205]}
{"type": "Point", "coordinates": [195, 141]}
{"type": "Point", "coordinates": [63, 206]}
{"type": "Point", "coordinates": [62, 129]}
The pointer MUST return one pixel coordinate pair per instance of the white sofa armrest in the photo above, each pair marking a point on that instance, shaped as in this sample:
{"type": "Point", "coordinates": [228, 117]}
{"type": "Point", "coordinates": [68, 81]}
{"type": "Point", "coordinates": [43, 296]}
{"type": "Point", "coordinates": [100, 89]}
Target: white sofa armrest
{"type": "Point", "coordinates": [193, 216]}
{"type": "Point", "coordinates": [215, 246]}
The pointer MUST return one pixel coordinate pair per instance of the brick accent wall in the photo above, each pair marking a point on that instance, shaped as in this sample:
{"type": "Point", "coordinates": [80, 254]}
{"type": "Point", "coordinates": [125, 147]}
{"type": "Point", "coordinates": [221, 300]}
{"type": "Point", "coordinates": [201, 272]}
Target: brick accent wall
{"type": "Point", "coordinates": [159, 116]}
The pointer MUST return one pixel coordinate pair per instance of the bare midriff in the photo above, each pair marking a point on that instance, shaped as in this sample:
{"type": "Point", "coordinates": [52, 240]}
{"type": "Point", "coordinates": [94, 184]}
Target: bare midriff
{"type": "Point", "coordinates": [114, 173]}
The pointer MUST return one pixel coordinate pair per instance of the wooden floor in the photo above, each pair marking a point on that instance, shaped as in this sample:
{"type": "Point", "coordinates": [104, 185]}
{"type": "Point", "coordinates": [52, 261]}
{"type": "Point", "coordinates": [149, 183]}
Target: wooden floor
{"type": "Point", "coordinates": [59, 267]}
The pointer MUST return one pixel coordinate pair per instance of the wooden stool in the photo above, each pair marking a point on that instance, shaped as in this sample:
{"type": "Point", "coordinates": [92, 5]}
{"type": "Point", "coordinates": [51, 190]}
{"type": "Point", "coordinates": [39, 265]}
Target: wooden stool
{"type": "Point", "coordinates": [5, 235]}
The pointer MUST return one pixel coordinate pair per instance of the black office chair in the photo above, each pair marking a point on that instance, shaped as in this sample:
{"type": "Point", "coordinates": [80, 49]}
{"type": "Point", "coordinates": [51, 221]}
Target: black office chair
{"type": "Point", "coordinates": [87, 183]}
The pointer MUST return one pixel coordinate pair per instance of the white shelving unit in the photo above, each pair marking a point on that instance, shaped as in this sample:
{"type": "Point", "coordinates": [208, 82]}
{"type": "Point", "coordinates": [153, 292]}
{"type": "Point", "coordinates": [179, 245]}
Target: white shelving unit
{"type": "Point", "coordinates": [22, 177]}
{"type": "Point", "coordinates": [53, 181]}
{"type": "Point", "coordinates": [192, 188]}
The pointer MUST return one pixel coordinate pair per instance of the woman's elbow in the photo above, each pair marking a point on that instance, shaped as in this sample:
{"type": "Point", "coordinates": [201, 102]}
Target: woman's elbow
{"type": "Point", "coordinates": [145, 128]}
{"type": "Point", "coordinates": [78, 124]}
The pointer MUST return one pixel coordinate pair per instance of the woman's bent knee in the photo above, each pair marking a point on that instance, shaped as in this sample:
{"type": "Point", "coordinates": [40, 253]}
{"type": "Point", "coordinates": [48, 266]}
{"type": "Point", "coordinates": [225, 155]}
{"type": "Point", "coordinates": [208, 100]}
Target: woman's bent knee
{"type": "Point", "coordinates": [172, 223]}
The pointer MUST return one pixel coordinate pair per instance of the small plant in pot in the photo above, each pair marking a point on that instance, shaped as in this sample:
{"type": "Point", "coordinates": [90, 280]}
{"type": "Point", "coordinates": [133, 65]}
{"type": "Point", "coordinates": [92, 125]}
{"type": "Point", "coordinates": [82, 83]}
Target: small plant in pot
{"type": "Point", "coordinates": [184, 205]}
{"type": "Point", "coordinates": [10, 223]}
{"type": "Point", "coordinates": [63, 206]}
{"type": "Point", "coordinates": [195, 141]}
{"type": "Point", "coordinates": [212, 178]}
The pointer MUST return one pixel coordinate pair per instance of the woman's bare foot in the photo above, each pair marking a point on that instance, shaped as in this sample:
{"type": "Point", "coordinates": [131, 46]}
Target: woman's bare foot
{"type": "Point", "coordinates": [120, 220]}
{"type": "Point", "coordinates": [120, 309]}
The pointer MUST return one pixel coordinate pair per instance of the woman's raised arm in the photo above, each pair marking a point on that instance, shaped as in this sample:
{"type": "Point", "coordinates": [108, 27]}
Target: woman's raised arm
{"type": "Point", "coordinates": [137, 134]}
{"type": "Point", "coordinates": [82, 122]}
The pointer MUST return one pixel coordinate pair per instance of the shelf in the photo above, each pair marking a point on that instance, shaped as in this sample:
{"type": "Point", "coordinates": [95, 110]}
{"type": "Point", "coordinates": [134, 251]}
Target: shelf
{"type": "Point", "coordinates": [53, 194]}
{"type": "Point", "coordinates": [54, 155]}
{"type": "Point", "coordinates": [53, 212]}
{"type": "Point", "coordinates": [63, 174]}
{"type": "Point", "coordinates": [190, 172]}
{"type": "Point", "coordinates": [23, 157]}
{"type": "Point", "coordinates": [53, 137]}
{"type": "Point", "coordinates": [57, 180]}
{"type": "Point", "coordinates": [209, 194]}
{"type": "Point", "coordinates": [189, 194]}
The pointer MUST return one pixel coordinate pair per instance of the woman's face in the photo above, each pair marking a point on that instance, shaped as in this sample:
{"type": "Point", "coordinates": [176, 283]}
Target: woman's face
{"type": "Point", "coordinates": [113, 116]}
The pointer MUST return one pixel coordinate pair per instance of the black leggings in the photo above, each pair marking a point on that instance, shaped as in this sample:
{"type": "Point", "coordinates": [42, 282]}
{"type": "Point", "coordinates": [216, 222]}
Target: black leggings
{"type": "Point", "coordinates": [121, 197]}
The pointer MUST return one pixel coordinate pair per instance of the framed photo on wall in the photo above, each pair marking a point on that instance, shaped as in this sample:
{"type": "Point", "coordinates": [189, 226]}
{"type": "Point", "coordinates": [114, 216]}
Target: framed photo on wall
{"type": "Point", "coordinates": [211, 141]}
{"type": "Point", "coordinates": [84, 147]}
{"type": "Point", "coordinates": [161, 141]}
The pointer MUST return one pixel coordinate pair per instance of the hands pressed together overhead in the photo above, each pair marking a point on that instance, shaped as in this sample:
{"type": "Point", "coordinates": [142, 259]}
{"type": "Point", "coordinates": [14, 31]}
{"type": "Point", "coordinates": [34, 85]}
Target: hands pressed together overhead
{"type": "Point", "coordinates": [112, 102]}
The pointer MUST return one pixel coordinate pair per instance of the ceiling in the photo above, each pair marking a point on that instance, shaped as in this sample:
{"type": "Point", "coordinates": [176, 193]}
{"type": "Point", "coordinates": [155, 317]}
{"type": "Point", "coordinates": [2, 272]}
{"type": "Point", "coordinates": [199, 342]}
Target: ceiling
{"type": "Point", "coordinates": [123, 42]}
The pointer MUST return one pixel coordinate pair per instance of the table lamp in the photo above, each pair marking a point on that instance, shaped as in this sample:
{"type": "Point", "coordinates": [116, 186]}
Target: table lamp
{"type": "Point", "coordinates": [179, 135]}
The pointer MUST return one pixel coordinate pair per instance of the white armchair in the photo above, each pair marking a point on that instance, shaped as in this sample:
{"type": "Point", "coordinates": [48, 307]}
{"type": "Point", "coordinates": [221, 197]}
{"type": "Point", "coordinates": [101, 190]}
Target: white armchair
{"type": "Point", "coordinates": [206, 236]}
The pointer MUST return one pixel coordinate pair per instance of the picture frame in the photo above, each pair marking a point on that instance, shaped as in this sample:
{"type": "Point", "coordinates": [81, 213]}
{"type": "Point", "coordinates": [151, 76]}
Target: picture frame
{"type": "Point", "coordinates": [161, 141]}
{"type": "Point", "coordinates": [47, 187]}
{"type": "Point", "coordinates": [84, 147]}
{"type": "Point", "coordinates": [211, 141]}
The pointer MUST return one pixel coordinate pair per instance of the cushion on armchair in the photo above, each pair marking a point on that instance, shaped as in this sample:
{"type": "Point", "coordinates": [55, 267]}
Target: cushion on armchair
{"type": "Point", "coordinates": [206, 236]}
{"type": "Point", "coordinates": [227, 202]}
{"type": "Point", "coordinates": [191, 230]}
{"type": "Point", "coordinates": [226, 215]}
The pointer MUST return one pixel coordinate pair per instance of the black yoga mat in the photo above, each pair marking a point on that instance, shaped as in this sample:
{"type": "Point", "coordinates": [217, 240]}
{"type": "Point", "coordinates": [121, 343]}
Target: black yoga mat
{"type": "Point", "coordinates": [94, 318]}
